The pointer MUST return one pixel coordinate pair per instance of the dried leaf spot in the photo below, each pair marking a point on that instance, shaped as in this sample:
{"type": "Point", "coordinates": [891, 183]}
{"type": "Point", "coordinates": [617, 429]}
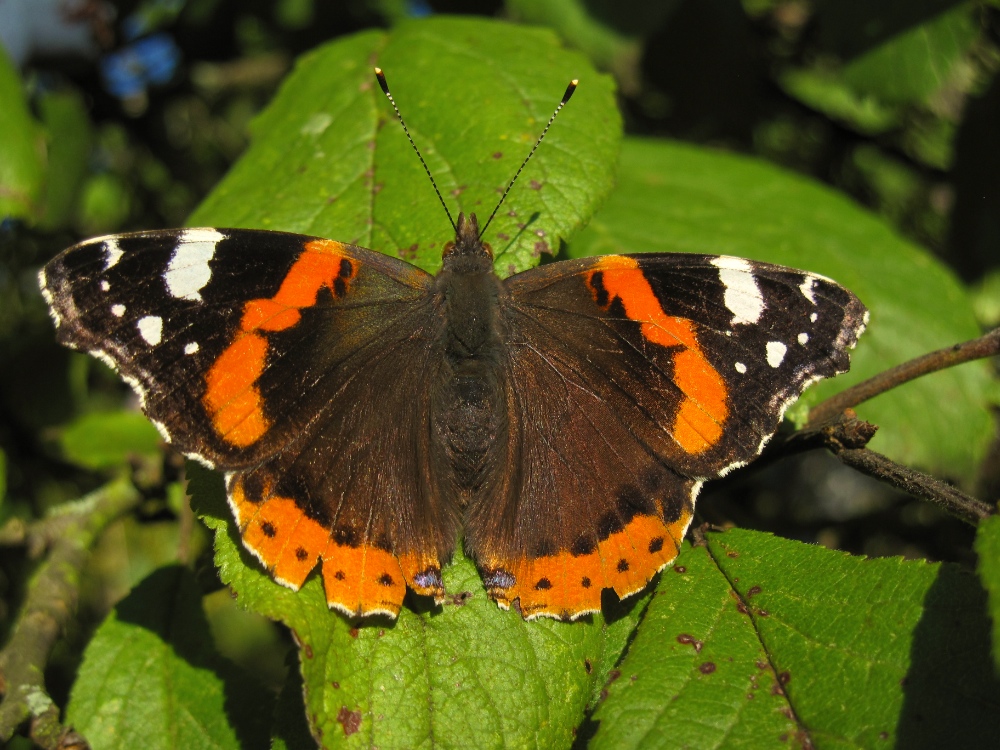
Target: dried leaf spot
{"type": "Point", "coordinates": [689, 640]}
{"type": "Point", "coordinates": [349, 720]}
{"type": "Point", "coordinates": [707, 668]}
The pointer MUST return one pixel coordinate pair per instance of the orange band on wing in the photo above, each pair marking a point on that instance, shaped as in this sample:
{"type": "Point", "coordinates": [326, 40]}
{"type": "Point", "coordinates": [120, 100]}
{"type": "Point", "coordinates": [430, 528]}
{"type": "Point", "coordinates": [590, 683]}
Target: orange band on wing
{"type": "Point", "coordinates": [702, 412]}
{"type": "Point", "coordinates": [357, 580]}
{"type": "Point", "coordinates": [566, 586]}
{"type": "Point", "coordinates": [362, 580]}
{"type": "Point", "coordinates": [232, 398]}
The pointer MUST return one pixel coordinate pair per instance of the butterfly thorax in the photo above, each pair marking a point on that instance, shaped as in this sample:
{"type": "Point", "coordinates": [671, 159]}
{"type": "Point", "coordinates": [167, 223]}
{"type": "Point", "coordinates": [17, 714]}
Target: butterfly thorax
{"type": "Point", "coordinates": [469, 292]}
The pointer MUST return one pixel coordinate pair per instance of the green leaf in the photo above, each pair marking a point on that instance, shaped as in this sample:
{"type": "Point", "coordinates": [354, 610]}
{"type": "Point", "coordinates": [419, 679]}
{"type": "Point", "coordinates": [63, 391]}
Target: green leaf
{"type": "Point", "coordinates": [327, 157]}
{"type": "Point", "coordinates": [910, 67]}
{"type": "Point", "coordinates": [462, 675]}
{"type": "Point", "coordinates": [150, 679]}
{"type": "Point", "coordinates": [104, 204]}
{"type": "Point", "coordinates": [762, 641]}
{"type": "Point", "coordinates": [102, 440]}
{"type": "Point", "coordinates": [609, 33]}
{"type": "Point", "coordinates": [827, 92]}
{"type": "Point", "coordinates": [22, 161]}
{"type": "Point", "coordinates": [69, 136]}
{"type": "Point", "coordinates": [673, 197]}
{"type": "Point", "coordinates": [988, 550]}
{"type": "Point", "coordinates": [986, 299]}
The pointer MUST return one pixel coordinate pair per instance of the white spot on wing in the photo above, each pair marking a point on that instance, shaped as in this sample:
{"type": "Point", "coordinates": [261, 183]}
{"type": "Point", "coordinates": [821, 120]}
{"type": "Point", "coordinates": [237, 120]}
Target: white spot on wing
{"type": "Point", "coordinates": [112, 252]}
{"type": "Point", "coordinates": [189, 271]}
{"type": "Point", "coordinates": [813, 318]}
{"type": "Point", "coordinates": [118, 310]}
{"type": "Point", "coordinates": [105, 286]}
{"type": "Point", "coordinates": [191, 348]}
{"type": "Point", "coordinates": [775, 353]}
{"type": "Point", "coordinates": [742, 297]}
{"type": "Point", "coordinates": [151, 329]}
{"type": "Point", "coordinates": [741, 368]}
{"type": "Point", "coordinates": [803, 339]}
{"type": "Point", "coordinates": [806, 287]}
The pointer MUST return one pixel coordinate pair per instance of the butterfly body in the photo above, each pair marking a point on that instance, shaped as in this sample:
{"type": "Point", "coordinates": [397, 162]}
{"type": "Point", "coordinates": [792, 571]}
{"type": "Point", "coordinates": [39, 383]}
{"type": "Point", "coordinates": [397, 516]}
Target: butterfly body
{"type": "Point", "coordinates": [367, 414]}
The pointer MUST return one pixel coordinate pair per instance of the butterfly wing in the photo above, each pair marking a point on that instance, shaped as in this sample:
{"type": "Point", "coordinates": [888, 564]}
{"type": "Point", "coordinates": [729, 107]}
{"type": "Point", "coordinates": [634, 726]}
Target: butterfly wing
{"type": "Point", "coordinates": [632, 379]}
{"type": "Point", "coordinates": [279, 359]}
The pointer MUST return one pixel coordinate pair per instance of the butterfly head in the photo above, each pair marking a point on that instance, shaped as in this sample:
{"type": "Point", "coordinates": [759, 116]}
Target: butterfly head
{"type": "Point", "coordinates": [467, 246]}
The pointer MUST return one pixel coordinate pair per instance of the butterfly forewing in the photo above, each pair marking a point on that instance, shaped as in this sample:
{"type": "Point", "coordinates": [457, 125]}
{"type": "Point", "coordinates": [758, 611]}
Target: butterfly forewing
{"type": "Point", "coordinates": [286, 361]}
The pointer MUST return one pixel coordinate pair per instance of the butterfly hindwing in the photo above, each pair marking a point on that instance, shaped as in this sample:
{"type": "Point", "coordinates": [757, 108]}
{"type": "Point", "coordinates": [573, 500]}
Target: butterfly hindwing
{"type": "Point", "coordinates": [633, 380]}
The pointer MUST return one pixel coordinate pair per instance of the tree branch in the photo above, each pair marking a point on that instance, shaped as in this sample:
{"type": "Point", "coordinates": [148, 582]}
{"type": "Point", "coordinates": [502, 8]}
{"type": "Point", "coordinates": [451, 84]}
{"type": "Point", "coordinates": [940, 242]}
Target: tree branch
{"type": "Point", "coordinates": [985, 346]}
{"type": "Point", "coordinates": [68, 532]}
{"type": "Point", "coordinates": [846, 437]}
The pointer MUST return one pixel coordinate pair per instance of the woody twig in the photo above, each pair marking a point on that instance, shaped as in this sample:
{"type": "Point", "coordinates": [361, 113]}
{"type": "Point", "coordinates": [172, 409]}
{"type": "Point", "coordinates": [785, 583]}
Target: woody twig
{"type": "Point", "coordinates": [66, 535]}
{"type": "Point", "coordinates": [987, 345]}
{"type": "Point", "coordinates": [834, 425]}
{"type": "Point", "coordinates": [846, 437]}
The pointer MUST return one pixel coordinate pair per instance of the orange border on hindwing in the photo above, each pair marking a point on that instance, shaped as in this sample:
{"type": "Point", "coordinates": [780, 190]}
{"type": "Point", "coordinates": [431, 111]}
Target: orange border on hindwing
{"type": "Point", "coordinates": [358, 580]}
{"type": "Point", "coordinates": [568, 586]}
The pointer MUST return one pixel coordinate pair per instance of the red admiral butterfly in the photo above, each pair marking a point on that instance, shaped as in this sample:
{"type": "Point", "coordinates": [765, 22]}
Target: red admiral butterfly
{"type": "Point", "coordinates": [365, 412]}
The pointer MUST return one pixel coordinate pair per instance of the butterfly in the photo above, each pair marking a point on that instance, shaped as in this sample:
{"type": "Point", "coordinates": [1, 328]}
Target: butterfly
{"type": "Point", "coordinates": [366, 414]}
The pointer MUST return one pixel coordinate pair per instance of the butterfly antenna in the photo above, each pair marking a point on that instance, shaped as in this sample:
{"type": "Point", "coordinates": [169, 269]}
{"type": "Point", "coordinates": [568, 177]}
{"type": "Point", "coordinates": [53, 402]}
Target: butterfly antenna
{"type": "Point", "coordinates": [385, 90]}
{"type": "Point", "coordinates": [569, 92]}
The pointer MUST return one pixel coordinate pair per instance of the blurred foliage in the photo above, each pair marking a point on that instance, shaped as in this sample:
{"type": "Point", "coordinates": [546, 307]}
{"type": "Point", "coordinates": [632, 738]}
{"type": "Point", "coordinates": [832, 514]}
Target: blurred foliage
{"type": "Point", "coordinates": [895, 105]}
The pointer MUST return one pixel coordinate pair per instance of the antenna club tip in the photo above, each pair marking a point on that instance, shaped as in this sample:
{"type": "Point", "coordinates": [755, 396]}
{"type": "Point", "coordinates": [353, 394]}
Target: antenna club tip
{"type": "Point", "coordinates": [381, 81]}
{"type": "Point", "coordinates": [570, 89]}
